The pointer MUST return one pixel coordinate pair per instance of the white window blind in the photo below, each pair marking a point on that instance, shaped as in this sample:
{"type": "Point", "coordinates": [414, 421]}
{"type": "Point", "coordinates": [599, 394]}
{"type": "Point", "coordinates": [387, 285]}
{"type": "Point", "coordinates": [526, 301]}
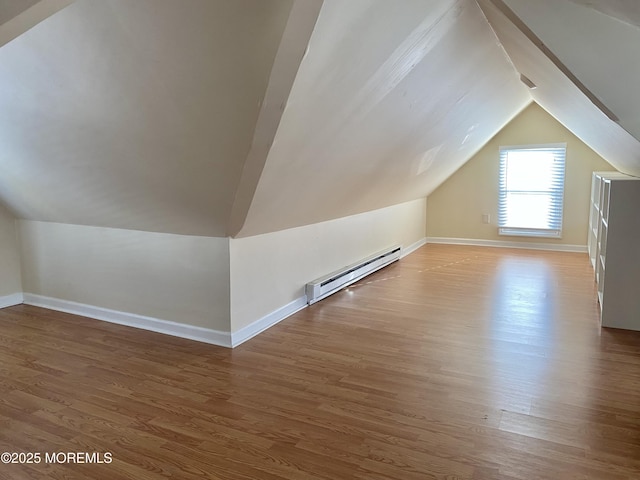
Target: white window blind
{"type": "Point", "coordinates": [531, 190]}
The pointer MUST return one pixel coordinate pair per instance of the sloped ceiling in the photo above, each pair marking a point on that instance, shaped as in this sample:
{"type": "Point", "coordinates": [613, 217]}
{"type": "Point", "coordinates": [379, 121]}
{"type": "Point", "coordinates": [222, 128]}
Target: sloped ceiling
{"type": "Point", "coordinates": [391, 98]}
{"type": "Point", "coordinates": [135, 114]}
{"type": "Point", "coordinates": [9, 9]}
{"type": "Point", "coordinates": [18, 16]}
{"type": "Point", "coordinates": [627, 11]}
{"type": "Point", "coordinates": [590, 35]}
{"type": "Point", "coordinates": [160, 115]}
{"type": "Point", "coordinates": [585, 64]}
{"type": "Point", "coordinates": [207, 117]}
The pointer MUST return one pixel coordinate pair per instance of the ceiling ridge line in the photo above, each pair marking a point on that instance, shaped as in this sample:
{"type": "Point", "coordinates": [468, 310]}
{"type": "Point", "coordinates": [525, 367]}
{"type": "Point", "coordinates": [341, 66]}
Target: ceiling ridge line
{"type": "Point", "coordinates": [524, 28]}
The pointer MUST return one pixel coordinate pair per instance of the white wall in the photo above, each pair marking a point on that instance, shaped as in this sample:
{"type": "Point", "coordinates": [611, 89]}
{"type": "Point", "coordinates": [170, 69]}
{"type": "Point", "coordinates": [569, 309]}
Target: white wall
{"type": "Point", "coordinates": [216, 283]}
{"type": "Point", "coordinates": [269, 271]}
{"type": "Point", "coordinates": [10, 281]}
{"type": "Point", "coordinates": [179, 278]}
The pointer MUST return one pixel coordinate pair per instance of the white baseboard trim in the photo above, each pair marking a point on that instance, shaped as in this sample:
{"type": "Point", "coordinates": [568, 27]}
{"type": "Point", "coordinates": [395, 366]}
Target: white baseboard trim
{"type": "Point", "coordinates": [506, 244]}
{"type": "Point", "coordinates": [267, 321]}
{"type": "Point", "coordinates": [200, 334]}
{"type": "Point", "coordinates": [413, 247]}
{"type": "Point", "coordinates": [11, 300]}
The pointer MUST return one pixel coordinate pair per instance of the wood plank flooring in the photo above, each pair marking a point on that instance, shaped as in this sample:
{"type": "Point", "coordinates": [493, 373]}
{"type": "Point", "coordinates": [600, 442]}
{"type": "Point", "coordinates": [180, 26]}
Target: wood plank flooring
{"type": "Point", "coordinates": [457, 363]}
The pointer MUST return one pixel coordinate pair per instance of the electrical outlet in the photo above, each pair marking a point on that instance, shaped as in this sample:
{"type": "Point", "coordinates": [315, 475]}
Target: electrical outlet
{"type": "Point", "coordinates": [486, 218]}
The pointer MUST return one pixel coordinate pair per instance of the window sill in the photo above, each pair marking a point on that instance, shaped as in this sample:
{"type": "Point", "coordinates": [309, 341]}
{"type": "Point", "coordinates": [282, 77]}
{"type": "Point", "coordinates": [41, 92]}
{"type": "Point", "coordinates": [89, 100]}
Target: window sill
{"type": "Point", "coordinates": [529, 232]}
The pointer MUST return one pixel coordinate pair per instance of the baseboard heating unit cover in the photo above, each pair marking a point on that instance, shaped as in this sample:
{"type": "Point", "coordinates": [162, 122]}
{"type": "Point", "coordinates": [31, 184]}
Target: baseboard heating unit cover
{"type": "Point", "coordinates": [325, 286]}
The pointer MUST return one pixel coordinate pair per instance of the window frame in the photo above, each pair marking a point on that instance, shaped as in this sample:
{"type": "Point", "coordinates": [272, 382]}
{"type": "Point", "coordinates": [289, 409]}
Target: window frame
{"type": "Point", "coordinates": [557, 195]}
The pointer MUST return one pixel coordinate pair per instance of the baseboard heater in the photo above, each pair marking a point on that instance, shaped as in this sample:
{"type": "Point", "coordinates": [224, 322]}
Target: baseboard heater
{"type": "Point", "coordinates": [325, 286]}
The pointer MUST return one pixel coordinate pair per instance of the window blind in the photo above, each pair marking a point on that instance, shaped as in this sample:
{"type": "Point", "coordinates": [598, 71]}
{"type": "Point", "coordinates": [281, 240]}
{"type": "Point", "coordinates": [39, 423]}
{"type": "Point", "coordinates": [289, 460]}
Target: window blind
{"type": "Point", "coordinates": [531, 190]}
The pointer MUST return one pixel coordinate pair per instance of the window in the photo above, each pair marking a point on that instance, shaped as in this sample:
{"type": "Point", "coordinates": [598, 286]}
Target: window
{"type": "Point", "coordinates": [531, 190]}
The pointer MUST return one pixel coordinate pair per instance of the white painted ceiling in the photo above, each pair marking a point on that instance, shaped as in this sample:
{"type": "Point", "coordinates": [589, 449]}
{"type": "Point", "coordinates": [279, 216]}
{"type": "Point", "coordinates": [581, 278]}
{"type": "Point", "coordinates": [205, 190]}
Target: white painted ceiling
{"type": "Point", "coordinates": [135, 114]}
{"type": "Point", "coordinates": [579, 35]}
{"type": "Point", "coordinates": [584, 63]}
{"type": "Point", "coordinates": [18, 16]}
{"type": "Point", "coordinates": [10, 9]}
{"type": "Point", "coordinates": [391, 99]}
{"type": "Point", "coordinates": [627, 11]}
{"type": "Point", "coordinates": [203, 117]}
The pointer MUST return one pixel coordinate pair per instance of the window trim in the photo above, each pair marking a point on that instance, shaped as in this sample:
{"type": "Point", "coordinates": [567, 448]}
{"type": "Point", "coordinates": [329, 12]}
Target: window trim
{"type": "Point", "coordinates": [505, 230]}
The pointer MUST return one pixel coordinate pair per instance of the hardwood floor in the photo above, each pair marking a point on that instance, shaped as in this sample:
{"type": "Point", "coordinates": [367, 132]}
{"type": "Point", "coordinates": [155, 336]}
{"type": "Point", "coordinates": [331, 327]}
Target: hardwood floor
{"type": "Point", "coordinates": [455, 363]}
